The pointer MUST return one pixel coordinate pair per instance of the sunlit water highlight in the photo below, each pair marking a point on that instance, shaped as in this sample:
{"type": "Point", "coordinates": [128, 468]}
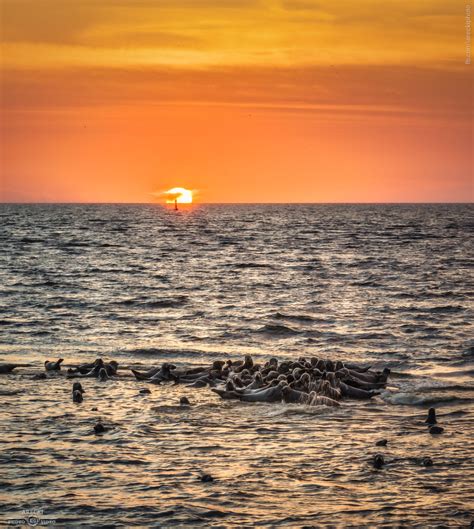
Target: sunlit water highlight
{"type": "Point", "coordinates": [386, 285]}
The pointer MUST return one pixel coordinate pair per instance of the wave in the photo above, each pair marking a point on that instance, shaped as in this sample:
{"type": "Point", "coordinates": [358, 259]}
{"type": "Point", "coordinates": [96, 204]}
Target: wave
{"type": "Point", "coordinates": [413, 399]}
{"type": "Point", "coordinates": [298, 409]}
{"type": "Point", "coordinates": [298, 317]}
{"type": "Point", "coordinates": [465, 361]}
{"type": "Point", "coordinates": [164, 303]}
{"type": "Point", "coordinates": [250, 265]}
{"type": "Point", "coordinates": [74, 244]}
{"type": "Point", "coordinates": [442, 386]}
{"type": "Point", "coordinates": [178, 354]}
{"type": "Point", "coordinates": [19, 323]}
{"type": "Point", "coordinates": [31, 240]}
{"type": "Point", "coordinates": [367, 283]}
{"type": "Point", "coordinates": [400, 374]}
{"type": "Point", "coordinates": [445, 309]}
{"type": "Point", "coordinates": [149, 351]}
{"type": "Point", "coordinates": [372, 336]}
{"type": "Point", "coordinates": [275, 329]}
{"type": "Point", "coordinates": [10, 392]}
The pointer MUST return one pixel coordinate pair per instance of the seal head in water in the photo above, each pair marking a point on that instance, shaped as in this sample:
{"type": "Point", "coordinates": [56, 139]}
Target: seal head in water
{"type": "Point", "coordinates": [53, 366]}
{"type": "Point", "coordinates": [431, 419]}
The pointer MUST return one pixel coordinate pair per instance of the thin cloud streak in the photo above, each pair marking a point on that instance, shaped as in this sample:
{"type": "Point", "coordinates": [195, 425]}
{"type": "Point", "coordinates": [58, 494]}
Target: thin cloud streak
{"type": "Point", "coordinates": [363, 88]}
{"type": "Point", "coordinates": [204, 33]}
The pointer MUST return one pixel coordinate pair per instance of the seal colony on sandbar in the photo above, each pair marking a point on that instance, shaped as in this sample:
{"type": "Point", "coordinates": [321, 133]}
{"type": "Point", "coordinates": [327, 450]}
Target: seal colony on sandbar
{"type": "Point", "coordinates": [312, 381]}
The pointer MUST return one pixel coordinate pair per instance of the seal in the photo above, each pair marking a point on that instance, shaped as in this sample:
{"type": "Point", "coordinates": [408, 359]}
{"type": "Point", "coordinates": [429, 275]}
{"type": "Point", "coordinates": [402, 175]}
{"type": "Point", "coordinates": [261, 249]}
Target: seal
{"type": "Point", "coordinates": [83, 368]}
{"type": "Point", "coordinates": [294, 396]}
{"type": "Point", "coordinates": [103, 376]}
{"type": "Point", "coordinates": [77, 386]}
{"type": "Point", "coordinates": [318, 400]}
{"type": "Point", "coordinates": [247, 364]}
{"type": "Point", "coordinates": [226, 394]}
{"type": "Point", "coordinates": [326, 390]}
{"type": "Point", "coordinates": [351, 380]}
{"type": "Point", "coordinates": [77, 397]}
{"type": "Point", "coordinates": [271, 394]}
{"type": "Point", "coordinates": [99, 428]}
{"type": "Point", "coordinates": [310, 381]}
{"type": "Point", "coordinates": [378, 461]}
{"type": "Point", "coordinates": [111, 368]}
{"type": "Point", "coordinates": [53, 366]}
{"type": "Point", "coordinates": [156, 375]}
{"type": "Point", "coordinates": [164, 375]}
{"type": "Point", "coordinates": [200, 383]}
{"type": "Point", "coordinates": [77, 391]}
{"type": "Point", "coordinates": [218, 365]}
{"type": "Point", "coordinates": [436, 430]}
{"type": "Point", "coordinates": [368, 378]}
{"type": "Point", "coordinates": [187, 378]}
{"type": "Point", "coordinates": [100, 370]}
{"type": "Point", "coordinates": [257, 382]}
{"type": "Point", "coordinates": [272, 375]}
{"type": "Point", "coordinates": [87, 373]}
{"type": "Point", "coordinates": [355, 367]}
{"type": "Point", "coordinates": [431, 419]}
{"type": "Point", "coordinates": [355, 393]}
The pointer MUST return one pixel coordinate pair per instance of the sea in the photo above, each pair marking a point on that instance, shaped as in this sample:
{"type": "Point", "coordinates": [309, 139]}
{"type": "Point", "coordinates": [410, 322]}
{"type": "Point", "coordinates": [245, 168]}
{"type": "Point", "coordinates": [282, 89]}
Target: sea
{"type": "Point", "coordinates": [375, 284]}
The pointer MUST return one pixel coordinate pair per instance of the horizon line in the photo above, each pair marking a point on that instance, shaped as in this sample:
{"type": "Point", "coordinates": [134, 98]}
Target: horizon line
{"type": "Point", "coordinates": [231, 203]}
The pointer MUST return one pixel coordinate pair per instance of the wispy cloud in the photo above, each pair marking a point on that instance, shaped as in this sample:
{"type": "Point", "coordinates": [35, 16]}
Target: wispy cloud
{"type": "Point", "coordinates": [203, 33]}
{"type": "Point", "coordinates": [394, 89]}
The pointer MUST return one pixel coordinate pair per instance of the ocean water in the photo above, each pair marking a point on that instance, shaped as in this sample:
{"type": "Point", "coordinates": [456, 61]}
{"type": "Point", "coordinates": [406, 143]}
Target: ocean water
{"type": "Point", "coordinates": [386, 285]}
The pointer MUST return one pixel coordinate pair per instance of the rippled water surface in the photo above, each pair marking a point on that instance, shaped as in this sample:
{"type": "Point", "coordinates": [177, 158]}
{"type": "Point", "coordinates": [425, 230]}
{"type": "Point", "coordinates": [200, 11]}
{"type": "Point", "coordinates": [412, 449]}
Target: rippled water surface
{"type": "Point", "coordinates": [381, 285]}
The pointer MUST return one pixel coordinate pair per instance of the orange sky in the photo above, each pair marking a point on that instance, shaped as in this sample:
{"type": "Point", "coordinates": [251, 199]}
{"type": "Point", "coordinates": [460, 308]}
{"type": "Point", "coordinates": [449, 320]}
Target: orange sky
{"type": "Point", "coordinates": [243, 100]}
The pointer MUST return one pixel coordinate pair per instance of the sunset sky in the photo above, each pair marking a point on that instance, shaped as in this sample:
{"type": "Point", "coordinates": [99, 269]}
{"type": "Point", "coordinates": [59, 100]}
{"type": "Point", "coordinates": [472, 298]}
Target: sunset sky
{"type": "Point", "coordinates": [242, 100]}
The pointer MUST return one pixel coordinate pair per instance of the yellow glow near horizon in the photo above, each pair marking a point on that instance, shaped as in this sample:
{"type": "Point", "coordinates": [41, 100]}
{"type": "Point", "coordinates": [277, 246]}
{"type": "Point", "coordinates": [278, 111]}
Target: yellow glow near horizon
{"type": "Point", "coordinates": [179, 195]}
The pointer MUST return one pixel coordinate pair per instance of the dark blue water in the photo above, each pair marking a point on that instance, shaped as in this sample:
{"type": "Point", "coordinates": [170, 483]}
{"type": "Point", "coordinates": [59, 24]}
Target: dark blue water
{"type": "Point", "coordinates": [389, 285]}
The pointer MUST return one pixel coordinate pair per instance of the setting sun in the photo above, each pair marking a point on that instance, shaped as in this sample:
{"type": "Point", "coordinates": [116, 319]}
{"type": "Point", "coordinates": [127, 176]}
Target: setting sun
{"type": "Point", "coordinates": [179, 195]}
